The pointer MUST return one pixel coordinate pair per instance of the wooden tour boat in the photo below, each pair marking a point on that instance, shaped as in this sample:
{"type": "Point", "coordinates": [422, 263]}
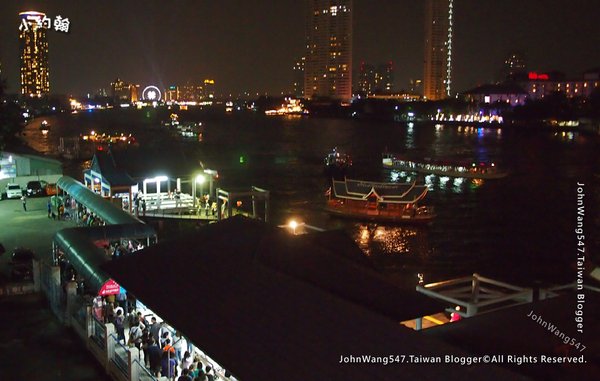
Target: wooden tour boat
{"type": "Point", "coordinates": [386, 202]}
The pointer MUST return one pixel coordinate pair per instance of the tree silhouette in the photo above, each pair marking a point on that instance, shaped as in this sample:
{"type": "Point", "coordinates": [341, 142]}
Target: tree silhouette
{"type": "Point", "coordinates": [10, 119]}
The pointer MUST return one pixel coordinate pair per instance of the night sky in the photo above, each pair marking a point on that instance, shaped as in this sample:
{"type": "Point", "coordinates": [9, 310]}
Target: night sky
{"type": "Point", "coordinates": [251, 45]}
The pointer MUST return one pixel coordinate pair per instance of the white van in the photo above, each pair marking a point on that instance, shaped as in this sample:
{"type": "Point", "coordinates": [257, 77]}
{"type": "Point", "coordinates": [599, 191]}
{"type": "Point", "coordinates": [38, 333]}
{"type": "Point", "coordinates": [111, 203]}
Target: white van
{"type": "Point", "coordinates": [13, 191]}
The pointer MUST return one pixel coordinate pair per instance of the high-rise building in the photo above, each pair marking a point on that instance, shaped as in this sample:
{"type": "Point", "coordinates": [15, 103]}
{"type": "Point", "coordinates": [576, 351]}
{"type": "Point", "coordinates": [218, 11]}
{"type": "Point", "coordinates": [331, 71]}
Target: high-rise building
{"type": "Point", "coordinates": [384, 78]}
{"type": "Point", "coordinates": [514, 65]}
{"type": "Point", "coordinates": [34, 54]}
{"type": "Point", "coordinates": [328, 68]}
{"type": "Point", "coordinates": [437, 73]}
{"type": "Point", "coordinates": [134, 93]}
{"type": "Point", "coordinates": [209, 88]}
{"type": "Point", "coordinates": [172, 94]}
{"type": "Point", "coordinates": [366, 79]}
{"type": "Point", "coordinates": [415, 86]}
{"type": "Point", "coordinates": [192, 92]}
{"type": "Point", "coordinates": [298, 83]}
{"type": "Point", "coordinates": [378, 80]}
{"type": "Point", "coordinates": [123, 92]}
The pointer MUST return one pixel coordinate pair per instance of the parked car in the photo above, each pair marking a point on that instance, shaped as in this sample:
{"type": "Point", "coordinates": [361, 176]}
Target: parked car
{"type": "Point", "coordinates": [51, 189]}
{"type": "Point", "coordinates": [13, 191]}
{"type": "Point", "coordinates": [36, 188]}
{"type": "Point", "coordinates": [22, 264]}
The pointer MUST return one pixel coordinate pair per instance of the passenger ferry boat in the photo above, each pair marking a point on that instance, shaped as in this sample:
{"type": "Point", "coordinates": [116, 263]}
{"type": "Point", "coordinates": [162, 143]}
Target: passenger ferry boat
{"type": "Point", "coordinates": [188, 130]}
{"type": "Point", "coordinates": [386, 202]}
{"type": "Point", "coordinates": [471, 170]}
{"type": "Point", "coordinates": [337, 164]}
{"type": "Point", "coordinates": [337, 159]}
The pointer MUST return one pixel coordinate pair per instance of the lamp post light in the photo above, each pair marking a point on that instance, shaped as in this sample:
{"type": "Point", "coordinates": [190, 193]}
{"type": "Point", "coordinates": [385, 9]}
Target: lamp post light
{"type": "Point", "coordinates": [293, 225]}
{"type": "Point", "coordinates": [200, 179]}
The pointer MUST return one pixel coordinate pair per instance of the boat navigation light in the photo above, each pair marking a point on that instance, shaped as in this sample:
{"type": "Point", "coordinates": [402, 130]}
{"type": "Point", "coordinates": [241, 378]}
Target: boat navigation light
{"type": "Point", "coordinates": [200, 179]}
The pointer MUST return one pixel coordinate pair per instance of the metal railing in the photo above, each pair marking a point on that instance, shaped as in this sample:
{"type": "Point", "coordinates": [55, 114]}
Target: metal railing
{"type": "Point", "coordinates": [80, 312]}
{"type": "Point", "coordinates": [143, 372]}
{"type": "Point", "coordinates": [98, 333]}
{"type": "Point", "coordinates": [120, 356]}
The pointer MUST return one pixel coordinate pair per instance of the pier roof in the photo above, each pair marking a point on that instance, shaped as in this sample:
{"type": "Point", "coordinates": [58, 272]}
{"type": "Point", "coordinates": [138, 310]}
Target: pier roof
{"type": "Point", "coordinates": [264, 303]}
{"type": "Point", "coordinates": [104, 163]}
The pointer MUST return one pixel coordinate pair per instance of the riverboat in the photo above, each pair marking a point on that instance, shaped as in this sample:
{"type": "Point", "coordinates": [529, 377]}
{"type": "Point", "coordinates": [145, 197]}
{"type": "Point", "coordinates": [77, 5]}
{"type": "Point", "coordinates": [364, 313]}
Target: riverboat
{"type": "Point", "coordinates": [373, 201]}
{"type": "Point", "coordinates": [470, 170]}
{"type": "Point", "coordinates": [187, 130]}
{"type": "Point", "coordinates": [337, 160]}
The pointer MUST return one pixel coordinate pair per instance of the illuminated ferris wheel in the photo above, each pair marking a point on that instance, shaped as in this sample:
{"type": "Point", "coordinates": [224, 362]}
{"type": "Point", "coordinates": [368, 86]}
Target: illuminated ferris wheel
{"type": "Point", "coordinates": [151, 94]}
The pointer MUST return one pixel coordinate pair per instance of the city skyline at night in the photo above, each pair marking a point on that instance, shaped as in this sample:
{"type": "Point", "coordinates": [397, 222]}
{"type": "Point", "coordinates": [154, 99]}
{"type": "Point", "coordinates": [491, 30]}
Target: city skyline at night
{"type": "Point", "coordinates": [251, 47]}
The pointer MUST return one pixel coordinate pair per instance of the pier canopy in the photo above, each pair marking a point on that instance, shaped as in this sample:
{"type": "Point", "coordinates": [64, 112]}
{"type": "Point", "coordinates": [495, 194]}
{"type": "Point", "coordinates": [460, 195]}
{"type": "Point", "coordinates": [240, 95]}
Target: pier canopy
{"type": "Point", "coordinates": [108, 212]}
{"type": "Point", "coordinates": [83, 245]}
{"type": "Point", "coordinates": [83, 255]}
{"type": "Point", "coordinates": [290, 299]}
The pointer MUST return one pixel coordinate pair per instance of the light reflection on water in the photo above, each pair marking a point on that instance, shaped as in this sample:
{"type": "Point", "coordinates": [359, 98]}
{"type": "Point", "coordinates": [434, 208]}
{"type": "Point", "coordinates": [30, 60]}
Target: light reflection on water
{"type": "Point", "coordinates": [381, 239]}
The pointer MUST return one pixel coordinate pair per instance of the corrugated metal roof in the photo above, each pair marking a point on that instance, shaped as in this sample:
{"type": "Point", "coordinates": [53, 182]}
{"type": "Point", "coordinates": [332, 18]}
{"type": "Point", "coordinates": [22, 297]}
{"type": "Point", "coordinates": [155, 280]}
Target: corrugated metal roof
{"type": "Point", "coordinates": [108, 212]}
{"type": "Point", "coordinates": [278, 313]}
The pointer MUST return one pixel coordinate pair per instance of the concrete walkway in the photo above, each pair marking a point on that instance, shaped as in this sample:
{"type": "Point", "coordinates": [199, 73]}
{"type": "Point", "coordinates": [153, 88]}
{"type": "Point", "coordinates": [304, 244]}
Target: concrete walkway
{"type": "Point", "coordinates": [34, 345]}
{"type": "Point", "coordinates": [31, 229]}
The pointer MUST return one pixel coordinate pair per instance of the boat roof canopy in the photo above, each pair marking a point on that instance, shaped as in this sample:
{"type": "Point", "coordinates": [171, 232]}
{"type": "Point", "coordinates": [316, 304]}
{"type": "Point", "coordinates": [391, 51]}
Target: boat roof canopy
{"type": "Point", "coordinates": [399, 193]}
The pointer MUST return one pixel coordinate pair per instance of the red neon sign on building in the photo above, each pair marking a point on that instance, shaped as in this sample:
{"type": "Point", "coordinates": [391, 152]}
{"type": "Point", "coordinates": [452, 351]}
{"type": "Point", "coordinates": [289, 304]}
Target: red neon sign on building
{"type": "Point", "coordinates": [540, 77]}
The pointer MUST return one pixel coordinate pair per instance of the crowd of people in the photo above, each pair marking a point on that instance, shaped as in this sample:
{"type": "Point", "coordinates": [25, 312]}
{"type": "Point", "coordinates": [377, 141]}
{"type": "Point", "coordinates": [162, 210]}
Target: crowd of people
{"type": "Point", "coordinates": [116, 249]}
{"type": "Point", "coordinates": [164, 351]}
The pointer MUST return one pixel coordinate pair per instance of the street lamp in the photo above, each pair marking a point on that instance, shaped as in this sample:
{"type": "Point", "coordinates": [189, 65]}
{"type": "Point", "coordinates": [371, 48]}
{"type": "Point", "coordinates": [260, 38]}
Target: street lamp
{"type": "Point", "coordinates": [200, 179]}
{"type": "Point", "coordinates": [293, 225]}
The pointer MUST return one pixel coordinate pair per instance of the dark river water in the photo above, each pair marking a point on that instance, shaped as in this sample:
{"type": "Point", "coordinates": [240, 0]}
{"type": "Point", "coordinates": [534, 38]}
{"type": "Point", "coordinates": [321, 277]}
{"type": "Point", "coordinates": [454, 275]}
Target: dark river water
{"type": "Point", "coordinates": [518, 229]}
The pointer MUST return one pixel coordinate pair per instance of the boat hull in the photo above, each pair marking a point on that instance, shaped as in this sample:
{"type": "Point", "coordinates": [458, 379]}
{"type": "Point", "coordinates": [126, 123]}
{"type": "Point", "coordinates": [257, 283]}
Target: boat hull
{"type": "Point", "coordinates": [378, 216]}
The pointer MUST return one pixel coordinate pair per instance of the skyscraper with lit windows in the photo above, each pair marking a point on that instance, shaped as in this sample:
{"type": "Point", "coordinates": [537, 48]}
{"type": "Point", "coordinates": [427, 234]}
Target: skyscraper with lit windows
{"type": "Point", "coordinates": [437, 73]}
{"type": "Point", "coordinates": [34, 54]}
{"type": "Point", "coordinates": [328, 66]}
